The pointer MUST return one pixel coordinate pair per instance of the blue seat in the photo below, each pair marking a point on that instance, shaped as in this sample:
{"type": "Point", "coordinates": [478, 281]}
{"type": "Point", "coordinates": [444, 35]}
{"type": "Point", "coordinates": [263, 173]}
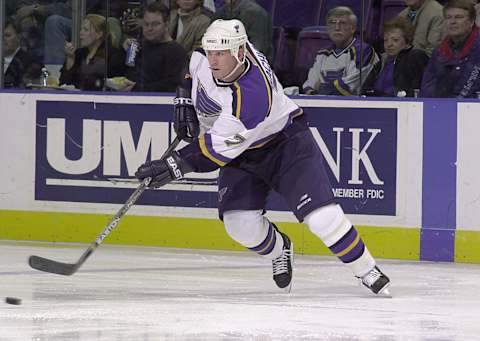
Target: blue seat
{"type": "Point", "coordinates": [388, 10]}
{"type": "Point", "coordinates": [298, 13]}
{"type": "Point", "coordinates": [284, 43]}
{"type": "Point", "coordinates": [268, 5]}
{"type": "Point", "coordinates": [310, 41]}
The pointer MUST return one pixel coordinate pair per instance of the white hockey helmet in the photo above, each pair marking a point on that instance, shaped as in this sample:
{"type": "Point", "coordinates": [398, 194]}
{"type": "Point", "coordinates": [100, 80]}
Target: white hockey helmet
{"type": "Point", "coordinates": [225, 35]}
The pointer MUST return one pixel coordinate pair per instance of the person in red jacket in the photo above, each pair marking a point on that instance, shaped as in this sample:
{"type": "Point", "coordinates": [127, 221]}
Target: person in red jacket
{"type": "Point", "coordinates": [454, 69]}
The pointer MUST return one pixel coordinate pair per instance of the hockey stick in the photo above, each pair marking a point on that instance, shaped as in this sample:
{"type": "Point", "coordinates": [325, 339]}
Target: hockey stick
{"type": "Point", "coordinates": [68, 269]}
{"type": "Point", "coordinates": [205, 182]}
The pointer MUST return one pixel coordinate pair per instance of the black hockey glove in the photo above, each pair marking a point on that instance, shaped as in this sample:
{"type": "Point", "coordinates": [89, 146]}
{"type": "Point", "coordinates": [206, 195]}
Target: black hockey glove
{"type": "Point", "coordinates": [163, 171]}
{"type": "Point", "coordinates": [185, 121]}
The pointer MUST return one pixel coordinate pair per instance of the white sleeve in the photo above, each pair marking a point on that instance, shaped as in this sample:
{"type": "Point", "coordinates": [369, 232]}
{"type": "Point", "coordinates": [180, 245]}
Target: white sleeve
{"type": "Point", "coordinates": [315, 78]}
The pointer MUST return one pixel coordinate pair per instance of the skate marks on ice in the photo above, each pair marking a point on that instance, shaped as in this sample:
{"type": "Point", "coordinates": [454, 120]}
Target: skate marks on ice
{"type": "Point", "coordinates": [167, 294]}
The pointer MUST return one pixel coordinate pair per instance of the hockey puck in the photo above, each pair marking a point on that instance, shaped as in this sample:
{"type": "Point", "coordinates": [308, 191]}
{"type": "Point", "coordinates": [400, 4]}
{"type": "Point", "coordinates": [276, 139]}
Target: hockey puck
{"type": "Point", "coordinates": [13, 300]}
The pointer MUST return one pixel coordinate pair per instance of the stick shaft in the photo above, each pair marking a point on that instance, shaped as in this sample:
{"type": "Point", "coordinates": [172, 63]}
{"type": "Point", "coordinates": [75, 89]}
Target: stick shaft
{"type": "Point", "coordinates": [48, 265]}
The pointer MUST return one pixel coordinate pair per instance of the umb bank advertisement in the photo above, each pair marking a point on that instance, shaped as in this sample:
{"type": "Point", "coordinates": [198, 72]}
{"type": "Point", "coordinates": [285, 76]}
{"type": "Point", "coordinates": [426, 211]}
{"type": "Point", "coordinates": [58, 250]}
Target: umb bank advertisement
{"type": "Point", "coordinates": [89, 152]}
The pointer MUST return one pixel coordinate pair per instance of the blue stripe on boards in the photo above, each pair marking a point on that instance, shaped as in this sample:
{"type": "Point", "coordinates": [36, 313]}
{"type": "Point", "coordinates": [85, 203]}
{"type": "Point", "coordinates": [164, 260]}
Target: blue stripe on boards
{"type": "Point", "coordinates": [437, 238]}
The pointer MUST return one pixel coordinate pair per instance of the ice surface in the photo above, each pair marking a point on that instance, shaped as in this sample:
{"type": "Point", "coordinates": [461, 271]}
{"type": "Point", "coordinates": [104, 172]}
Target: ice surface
{"type": "Point", "coordinates": [147, 294]}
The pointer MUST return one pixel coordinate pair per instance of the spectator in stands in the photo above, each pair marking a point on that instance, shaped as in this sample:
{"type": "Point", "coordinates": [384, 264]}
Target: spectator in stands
{"type": "Point", "coordinates": [45, 25]}
{"type": "Point", "coordinates": [427, 18]}
{"type": "Point", "coordinates": [454, 69]}
{"type": "Point", "coordinates": [160, 60]}
{"type": "Point", "coordinates": [402, 64]}
{"type": "Point", "coordinates": [188, 23]}
{"type": "Point", "coordinates": [477, 9]}
{"type": "Point", "coordinates": [115, 8]}
{"type": "Point", "coordinates": [343, 68]}
{"type": "Point", "coordinates": [20, 66]}
{"type": "Point", "coordinates": [256, 20]}
{"type": "Point", "coordinates": [86, 66]}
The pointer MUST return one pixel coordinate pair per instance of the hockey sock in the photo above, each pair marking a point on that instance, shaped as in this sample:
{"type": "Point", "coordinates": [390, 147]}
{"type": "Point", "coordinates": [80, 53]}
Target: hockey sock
{"type": "Point", "coordinates": [272, 245]}
{"type": "Point", "coordinates": [351, 250]}
{"type": "Point", "coordinates": [254, 231]}
{"type": "Point", "coordinates": [331, 225]}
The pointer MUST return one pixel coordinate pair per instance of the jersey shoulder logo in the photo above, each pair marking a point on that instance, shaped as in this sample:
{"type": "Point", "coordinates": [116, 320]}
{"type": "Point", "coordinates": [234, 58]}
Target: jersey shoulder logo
{"type": "Point", "coordinates": [237, 139]}
{"type": "Point", "coordinates": [204, 104]}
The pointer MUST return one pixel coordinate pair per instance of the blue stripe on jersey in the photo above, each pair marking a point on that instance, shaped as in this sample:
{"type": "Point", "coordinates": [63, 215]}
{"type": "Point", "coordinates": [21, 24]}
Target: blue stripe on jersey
{"type": "Point", "coordinates": [251, 98]}
{"type": "Point", "coordinates": [206, 147]}
{"type": "Point", "coordinates": [265, 78]}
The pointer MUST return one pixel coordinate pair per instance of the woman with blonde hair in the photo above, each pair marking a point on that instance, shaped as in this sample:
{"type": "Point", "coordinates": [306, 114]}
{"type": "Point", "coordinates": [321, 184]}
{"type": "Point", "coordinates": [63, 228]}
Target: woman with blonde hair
{"type": "Point", "coordinates": [98, 57]}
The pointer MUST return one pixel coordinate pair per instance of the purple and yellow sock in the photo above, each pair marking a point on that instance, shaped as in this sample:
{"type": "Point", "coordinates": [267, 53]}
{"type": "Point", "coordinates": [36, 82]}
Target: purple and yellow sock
{"type": "Point", "coordinates": [265, 247]}
{"type": "Point", "coordinates": [350, 247]}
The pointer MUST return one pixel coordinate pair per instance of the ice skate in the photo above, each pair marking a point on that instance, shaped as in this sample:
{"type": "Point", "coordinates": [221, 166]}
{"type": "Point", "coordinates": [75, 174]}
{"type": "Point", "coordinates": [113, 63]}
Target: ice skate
{"type": "Point", "coordinates": [376, 281]}
{"type": "Point", "coordinates": [282, 265]}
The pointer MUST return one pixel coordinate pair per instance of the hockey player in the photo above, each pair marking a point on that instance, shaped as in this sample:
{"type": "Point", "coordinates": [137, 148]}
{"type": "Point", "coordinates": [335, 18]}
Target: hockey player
{"type": "Point", "coordinates": [232, 109]}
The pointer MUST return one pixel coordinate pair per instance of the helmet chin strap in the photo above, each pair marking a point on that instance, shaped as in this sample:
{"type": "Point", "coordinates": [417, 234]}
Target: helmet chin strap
{"type": "Point", "coordinates": [235, 69]}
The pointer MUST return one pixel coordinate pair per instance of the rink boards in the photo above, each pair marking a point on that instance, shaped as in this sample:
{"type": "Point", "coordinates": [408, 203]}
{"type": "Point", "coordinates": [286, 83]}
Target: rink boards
{"type": "Point", "coordinates": [404, 171]}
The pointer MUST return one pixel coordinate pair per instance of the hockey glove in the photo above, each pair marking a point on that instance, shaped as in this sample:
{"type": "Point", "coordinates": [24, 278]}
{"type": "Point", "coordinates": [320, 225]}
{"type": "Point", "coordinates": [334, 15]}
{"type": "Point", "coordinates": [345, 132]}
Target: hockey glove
{"type": "Point", "coordinates": [185, 121]}
{"type": "Point", "coordinates": [163, 171]}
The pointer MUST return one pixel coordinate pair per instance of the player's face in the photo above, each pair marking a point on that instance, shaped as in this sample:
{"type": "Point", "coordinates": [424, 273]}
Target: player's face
{"type": "Point", "coordinates": [458, 23]}
{"type": "Point", "coordinates": [221, 63]}
{"type": "Point", "coordinates": [394, 42]}
{"type": "Point", "coordinates": [340, 30]}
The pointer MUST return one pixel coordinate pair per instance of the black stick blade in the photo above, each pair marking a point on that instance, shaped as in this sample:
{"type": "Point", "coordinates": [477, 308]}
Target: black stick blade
{"type": "Point", "coordinates": [48, 265]}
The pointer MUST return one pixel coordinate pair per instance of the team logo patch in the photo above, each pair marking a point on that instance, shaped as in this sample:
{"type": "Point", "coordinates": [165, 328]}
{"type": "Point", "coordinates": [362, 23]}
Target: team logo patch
{"type": "Point", "coordinates": [237, 139]}
{"type": "Point", "coordinates": [205, 105]}
{"type": "Point", "coordinates": [221, 193]}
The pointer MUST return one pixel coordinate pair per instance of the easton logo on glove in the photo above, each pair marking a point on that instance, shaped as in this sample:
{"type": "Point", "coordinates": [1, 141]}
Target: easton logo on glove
{"type": "Point", "coordinates": [174, 168]}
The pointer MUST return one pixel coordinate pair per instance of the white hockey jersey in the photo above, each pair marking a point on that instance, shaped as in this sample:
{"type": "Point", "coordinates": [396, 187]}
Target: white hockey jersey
{"type": "Point", "coordinates": [237, 116]}
{"type": "Point", "coordinates": [339, 72]}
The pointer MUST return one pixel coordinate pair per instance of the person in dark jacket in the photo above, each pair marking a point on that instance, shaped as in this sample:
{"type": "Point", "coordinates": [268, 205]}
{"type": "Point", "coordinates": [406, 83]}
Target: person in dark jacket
{"type": "Point", "coordinates": [87, 67]}
{"type": "Point", "coordinates": [188, 23]}
{"type": "Point", "coordinates": [454, 69]}
{"type": "Point", "coordinates": [160, 59]}
{"type": "Point", "coordinates": [402, 65]}
{"type": "Point", "coordinates": [45, 25]}
{"type": "Point", "coordinates": [257, 21]}
{"type": "Point", "coordinates": [20, 66]}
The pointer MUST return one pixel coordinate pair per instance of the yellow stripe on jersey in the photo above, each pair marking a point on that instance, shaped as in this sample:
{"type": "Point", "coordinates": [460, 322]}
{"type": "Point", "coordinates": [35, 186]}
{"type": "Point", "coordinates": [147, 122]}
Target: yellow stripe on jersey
{"type": "Point", "coordinates": [239, 100]}
{"type": "Point", "coordinates": [207, 154]}
{"type": "Point", "coordinates": [341, 90]}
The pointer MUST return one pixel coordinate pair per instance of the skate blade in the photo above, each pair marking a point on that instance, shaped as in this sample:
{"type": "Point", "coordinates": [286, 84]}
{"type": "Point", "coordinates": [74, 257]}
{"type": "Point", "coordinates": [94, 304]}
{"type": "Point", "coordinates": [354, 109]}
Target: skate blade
{"type": "Point", "coordinates": [288, 288]}
{"type": "Point", "coordinates": [385, 292]}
